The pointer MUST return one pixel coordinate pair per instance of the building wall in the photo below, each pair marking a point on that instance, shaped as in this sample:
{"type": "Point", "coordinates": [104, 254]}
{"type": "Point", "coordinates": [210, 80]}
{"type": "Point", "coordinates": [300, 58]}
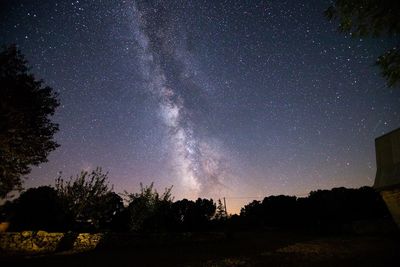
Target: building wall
{"type": "Point", "coordinates": [392, 200]}
{"type": "Point", "coordinates": [387, 179]}
{"type": "Point", "coordinates": [387, 149]}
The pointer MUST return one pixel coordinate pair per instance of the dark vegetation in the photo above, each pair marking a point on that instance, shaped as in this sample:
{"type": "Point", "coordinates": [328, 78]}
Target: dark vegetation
{"type": "Point", "coordinates": [87, 203]}
{"type": "Point", "coordinates": [26, 132]}
{"type": "Point", "coordinates": [151, 229]}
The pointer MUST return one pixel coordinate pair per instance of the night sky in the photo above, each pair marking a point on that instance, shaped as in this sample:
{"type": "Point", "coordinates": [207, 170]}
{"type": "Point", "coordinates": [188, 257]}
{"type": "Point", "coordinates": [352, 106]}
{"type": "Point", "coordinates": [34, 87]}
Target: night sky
{"type": "Point", "coordinates": [241, 99]}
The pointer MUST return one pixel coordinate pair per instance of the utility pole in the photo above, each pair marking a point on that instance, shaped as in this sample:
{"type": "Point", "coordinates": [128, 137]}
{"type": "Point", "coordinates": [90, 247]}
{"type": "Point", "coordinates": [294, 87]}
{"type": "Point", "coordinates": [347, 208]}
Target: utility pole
{"type": "Point", "coordinates": [226, 212]}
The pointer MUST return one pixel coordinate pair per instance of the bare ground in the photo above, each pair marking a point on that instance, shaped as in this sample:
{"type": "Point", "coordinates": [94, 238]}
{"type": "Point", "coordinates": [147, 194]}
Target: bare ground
{"type": "Point", "coordinates": [240, 249]}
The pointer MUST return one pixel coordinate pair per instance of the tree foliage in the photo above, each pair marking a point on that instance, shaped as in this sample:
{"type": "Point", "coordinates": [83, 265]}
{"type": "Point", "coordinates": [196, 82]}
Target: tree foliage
{"type": "Point", "coordinates": [390, 66]}
{"type": "Point", "coordinates": [322, 209]}
{"type": "Point", "coordinates": [145, 209]}
{"type": "Point", "coordinates": [86, 203]}
{"type": "Point", "coordinates": [89, 199]}
{"type": "Point", "coordinates": [149, 211]}
{"type": "Point", "coordinates": [39, 209]}
{"type": "Point", "coordinates": [191, 215]}
{"type": "Point", "coordinates": [26, 132]}
{"type": "Point", "coordinates": [372, 18]}
{"type": "Point", "coordinates": [220, 211]}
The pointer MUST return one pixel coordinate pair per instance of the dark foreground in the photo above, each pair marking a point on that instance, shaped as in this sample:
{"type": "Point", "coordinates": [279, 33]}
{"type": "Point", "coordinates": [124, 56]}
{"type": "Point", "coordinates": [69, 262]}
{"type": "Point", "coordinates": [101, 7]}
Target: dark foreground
{"type": "Point", "coordinates": [239, 249]}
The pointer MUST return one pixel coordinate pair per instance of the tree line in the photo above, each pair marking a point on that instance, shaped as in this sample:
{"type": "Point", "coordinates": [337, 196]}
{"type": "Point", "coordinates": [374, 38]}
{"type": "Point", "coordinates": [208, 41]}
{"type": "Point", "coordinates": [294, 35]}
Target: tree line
{"type": "Point", "coordinates": [322, 209]}
{"type": "Point", "coordinates": [87, 203]}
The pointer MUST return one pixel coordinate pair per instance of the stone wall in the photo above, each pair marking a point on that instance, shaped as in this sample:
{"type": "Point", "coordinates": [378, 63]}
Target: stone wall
{"type": "Point", "coordinates": [44, 242]}
{"type": "Point", "coordinates": [86, 241]}
{"type": "Point", "coordinates": [28, 242]}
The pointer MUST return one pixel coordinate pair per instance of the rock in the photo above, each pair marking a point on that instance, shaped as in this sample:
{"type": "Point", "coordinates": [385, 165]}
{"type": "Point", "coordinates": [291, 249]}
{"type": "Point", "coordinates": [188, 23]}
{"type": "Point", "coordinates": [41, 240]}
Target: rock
{"type": "Point", "coordinates": [86, 241]}
{"type": "Point", "coordinates": [26, 234]}
{"type": "Point", "coordinates": [35, 248]}
{"type": "Point", "coordinates": [41, 233]}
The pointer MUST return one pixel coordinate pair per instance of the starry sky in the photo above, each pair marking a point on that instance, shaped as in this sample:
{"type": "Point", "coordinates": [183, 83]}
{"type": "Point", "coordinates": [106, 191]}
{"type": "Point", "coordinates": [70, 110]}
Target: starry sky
{"type": "Point", "coordinates": [235, 99]}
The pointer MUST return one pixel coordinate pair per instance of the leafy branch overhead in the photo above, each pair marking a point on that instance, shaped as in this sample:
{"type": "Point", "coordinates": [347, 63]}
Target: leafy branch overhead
{"type": "Point", "coordinates": [375, 18]}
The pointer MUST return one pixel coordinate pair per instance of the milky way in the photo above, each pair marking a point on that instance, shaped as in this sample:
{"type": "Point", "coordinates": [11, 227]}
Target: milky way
{"type": "Point", "coordinates": [196, 162]}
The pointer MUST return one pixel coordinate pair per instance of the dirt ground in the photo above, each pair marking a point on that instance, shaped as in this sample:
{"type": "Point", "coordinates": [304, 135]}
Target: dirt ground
{"type": "Point", "coordinates": [238, 249]}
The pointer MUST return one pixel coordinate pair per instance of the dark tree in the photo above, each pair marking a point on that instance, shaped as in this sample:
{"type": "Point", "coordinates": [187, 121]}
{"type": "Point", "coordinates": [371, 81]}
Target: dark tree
{"type": "Point", "coordinates": [148, 210]}
{"type": "Point", "coordinates": [193, 215]}
{"type": "Point", "coordinates": [220, 211]}
{"type": "Point", "coordinates": [252, 213]}
{"type": "Point", "coordinates": [343, 205]}
{"type": "Point", "coordinates": [181, 211]}
{"type": "Point", "coordinates": [205, 208]}
{"type": "Point", "coordinates": [331, 210]}
{"type": "Point", "coordinates": [199, 217]}
{"type": "Point", "coordinates": [38, 209]}
{"type": "Point", "coordinates": [110, 208]}
{"type": "Point", "coordinates": [279, 210]}
{"type": "Point", "coordinates": [26, 132]}
{"type": "Point", "coordinates": [372, 18]}
{"type": "Point", "coordinates": [89, 199]}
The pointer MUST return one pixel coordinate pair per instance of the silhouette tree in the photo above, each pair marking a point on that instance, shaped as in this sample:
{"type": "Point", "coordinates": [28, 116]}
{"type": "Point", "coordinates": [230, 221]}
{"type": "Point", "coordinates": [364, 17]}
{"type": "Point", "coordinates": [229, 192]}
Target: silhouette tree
{"type": "Point", "coordinates": [321, 210]}
{"type": "Point", "coordinates": [220, 212]}
{"type": "Point", "coordinates": [110, 207]}
{"type": "Point", "coordinates": [372, 18]}
{"type": "Point", "coordinates": [181, 212]}
{"type": "Point", "coordinates": [279, 210]}
{"type": "Point", "coordinates": [341, 205]}
{"type": "Point", "coordinates": [26, 132]}
{"type": "Point", "coordinates": [252, 213]}
{"type": "Point", "coordinates": [89, 199]}
{"type": "Point", "coordinates": [147, 209]}
{"type": "Point", "coordinates": [38, 209]}
{"type": "Point", "coordinates": [200, 216]}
